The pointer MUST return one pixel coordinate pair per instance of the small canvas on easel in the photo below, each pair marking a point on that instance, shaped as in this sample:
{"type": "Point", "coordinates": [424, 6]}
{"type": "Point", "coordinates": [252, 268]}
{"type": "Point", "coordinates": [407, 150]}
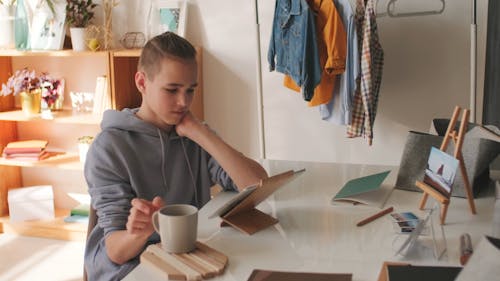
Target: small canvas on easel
{"type": "Point", "coordinates": [438, 182]}
{"type": "Point", "coordinates": [440, 171]}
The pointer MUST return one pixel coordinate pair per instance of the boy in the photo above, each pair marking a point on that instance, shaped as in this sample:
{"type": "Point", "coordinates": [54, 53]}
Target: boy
{"type": "Point", "coordinates": [154, 155]}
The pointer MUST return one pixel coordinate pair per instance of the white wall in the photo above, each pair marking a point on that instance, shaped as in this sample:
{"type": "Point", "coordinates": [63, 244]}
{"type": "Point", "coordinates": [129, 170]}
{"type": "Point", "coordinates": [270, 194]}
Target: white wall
{"type": "Point", "coordinates": [225, 29]}
{"type": "Point", "coordinates": [426, 74]}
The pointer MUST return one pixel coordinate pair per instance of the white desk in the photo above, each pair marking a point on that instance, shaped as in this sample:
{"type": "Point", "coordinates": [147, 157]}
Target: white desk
{"type": "Point", "coordinates": [314, 236]}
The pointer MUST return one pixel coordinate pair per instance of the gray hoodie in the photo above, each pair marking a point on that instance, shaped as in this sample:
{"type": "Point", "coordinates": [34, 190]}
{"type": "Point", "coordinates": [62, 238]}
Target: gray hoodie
{"type": "Point", "coordinates": [131, 158]}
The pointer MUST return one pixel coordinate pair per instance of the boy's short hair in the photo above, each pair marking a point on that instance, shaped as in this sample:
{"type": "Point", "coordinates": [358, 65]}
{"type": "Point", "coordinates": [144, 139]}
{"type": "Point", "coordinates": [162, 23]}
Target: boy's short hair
{"type": "Point", "coordinates": [162, 46]}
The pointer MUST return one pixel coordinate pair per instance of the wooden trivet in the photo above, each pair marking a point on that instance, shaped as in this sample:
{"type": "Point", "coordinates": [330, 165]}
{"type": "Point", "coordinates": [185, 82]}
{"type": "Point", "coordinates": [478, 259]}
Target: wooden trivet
{"type": "Point", "coordinates": [201, 263]}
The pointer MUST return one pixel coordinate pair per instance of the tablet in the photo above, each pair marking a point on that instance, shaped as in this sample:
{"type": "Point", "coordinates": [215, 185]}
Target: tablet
{"type": "Point", "coordinates": [241, 212]}
{"type": "Point", "coordinates": [233, 202]}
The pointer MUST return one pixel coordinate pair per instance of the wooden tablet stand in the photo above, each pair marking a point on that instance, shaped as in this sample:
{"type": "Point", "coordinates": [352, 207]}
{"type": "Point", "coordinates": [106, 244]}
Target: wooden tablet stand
{"type": "Point", "coordinates": [458, 139]}
{"type": "Point", "coordinates": [245, 217]}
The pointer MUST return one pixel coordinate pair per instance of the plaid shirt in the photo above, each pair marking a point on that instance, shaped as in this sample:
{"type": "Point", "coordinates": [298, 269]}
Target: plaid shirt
{"type": "Point", "coordinates": [372, 60]}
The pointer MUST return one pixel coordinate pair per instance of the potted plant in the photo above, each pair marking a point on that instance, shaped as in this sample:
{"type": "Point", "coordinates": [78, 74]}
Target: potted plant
{"type": "Point", "coordinates": [83, 146]}
{"type": "Point", "coordinates": [52, 92]}
{"type": "Point", "coordinates": [25, 83]}
{"type": "Point", "coordinates": [79, 14]}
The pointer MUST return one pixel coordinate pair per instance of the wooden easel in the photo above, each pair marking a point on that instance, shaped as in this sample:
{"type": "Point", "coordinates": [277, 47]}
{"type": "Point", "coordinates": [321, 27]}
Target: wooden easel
{"type": "Point", "coordinates": [458, 139]}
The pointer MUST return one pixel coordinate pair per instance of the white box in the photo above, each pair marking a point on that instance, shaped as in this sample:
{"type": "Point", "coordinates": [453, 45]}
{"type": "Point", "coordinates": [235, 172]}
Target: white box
{"type": "Point", "coordinates": [31, 203]}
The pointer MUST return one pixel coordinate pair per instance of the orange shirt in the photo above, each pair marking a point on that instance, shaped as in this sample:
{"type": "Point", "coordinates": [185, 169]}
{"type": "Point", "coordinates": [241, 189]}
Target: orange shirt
{"type": "Point", "coordinates": [332, 48]}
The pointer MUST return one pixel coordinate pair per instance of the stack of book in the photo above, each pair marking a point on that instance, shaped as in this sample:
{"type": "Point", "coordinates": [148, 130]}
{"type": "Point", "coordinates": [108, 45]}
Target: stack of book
{"type": "Point", "coordinates": [79, 213]}
{"type": "Point", "coordinates": [30, 150]}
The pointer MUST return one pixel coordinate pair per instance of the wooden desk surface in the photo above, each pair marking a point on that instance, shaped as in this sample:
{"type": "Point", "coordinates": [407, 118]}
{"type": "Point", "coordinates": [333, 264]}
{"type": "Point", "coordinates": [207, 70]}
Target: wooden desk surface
{"type": "Point", "coordinates": [314, 236]}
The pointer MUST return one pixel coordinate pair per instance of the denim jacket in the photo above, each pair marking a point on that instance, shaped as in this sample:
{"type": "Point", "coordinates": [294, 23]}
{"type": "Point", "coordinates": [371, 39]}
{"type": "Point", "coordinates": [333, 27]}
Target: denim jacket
{"type": "Point", "coordinates": [293, 48]}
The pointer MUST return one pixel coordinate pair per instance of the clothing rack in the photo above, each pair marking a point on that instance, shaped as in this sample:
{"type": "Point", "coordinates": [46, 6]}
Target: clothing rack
{"type": "Point", "coordinates": [260, 97]}
{"type": "Point", "coordinates": [391, 12]}
{"type": "Point", "coordinates": [473, 63]}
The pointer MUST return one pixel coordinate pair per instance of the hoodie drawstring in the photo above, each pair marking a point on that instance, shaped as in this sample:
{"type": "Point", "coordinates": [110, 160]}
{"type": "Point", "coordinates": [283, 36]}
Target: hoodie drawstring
{"type": "Point", "coordinates": [190, 171]}
{"type": "Point", "coordinates": [162, 143]}
{"type": "Point", "coordinates": [163, 168]}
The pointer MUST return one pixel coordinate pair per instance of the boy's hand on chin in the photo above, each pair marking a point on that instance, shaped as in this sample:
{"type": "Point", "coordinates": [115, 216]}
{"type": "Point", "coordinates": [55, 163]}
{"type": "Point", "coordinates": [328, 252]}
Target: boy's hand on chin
{"type": "Point", "coordinates": [186, 125]}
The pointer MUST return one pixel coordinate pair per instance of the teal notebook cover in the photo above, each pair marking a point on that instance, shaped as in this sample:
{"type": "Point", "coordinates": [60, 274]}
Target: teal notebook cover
{"type": "Point", "coordinates": [361, 185]}
{"type": "Point", "coordinates": [77, 218]}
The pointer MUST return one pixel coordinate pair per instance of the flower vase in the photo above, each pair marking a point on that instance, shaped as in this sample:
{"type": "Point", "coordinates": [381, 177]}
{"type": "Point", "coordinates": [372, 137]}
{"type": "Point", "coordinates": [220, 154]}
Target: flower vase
{"type": "Point", "coordinates": [78, 38]}
{"type": "Point", "coordinates": [21, 27]}
{"type": "Point", "coordinates": [83, 148]}
{"type": "Point", "coordinates": [57, 105]}
{"type": "Point", "coordinates": [31, 102]}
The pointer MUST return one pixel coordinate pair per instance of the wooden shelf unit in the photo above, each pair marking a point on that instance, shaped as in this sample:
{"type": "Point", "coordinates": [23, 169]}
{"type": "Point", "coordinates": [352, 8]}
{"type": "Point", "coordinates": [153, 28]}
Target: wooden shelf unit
{"type": "Point", "coordinates": [121, 68]}
{"type": "Point", "coordinates": [65, 116]}
{"type": "Point", "coordinates": [66, 161]}
{"type": "Point", "coordinates": [10, 170]}
{"type": "Point", "coordinates": [56, 228]}
{"type": "Point", "coordinates": [61, 53]}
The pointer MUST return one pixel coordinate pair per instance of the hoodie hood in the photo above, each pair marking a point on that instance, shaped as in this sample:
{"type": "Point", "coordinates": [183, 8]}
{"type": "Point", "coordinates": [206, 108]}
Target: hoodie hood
{"type": "Point", "coordinates": [127, 120]}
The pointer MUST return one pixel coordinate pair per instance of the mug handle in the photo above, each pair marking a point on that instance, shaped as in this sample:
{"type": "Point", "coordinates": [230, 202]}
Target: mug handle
{"type": "Point", "coordinates": [154, 219]}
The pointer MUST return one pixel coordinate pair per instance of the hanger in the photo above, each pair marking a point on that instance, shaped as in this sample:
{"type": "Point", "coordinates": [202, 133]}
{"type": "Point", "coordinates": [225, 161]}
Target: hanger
{"type": "Point", "coordinates": [391, 7]}
{"type": "Point", "coordinates": [377, 13]}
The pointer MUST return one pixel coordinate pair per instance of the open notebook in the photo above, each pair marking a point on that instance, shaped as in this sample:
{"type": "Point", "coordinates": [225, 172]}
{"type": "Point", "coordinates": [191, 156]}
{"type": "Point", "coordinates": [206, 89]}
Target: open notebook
{"type": "Point", "coordinates": [366, 190]}
{"type": "Point", "coordinates": [240, 211]}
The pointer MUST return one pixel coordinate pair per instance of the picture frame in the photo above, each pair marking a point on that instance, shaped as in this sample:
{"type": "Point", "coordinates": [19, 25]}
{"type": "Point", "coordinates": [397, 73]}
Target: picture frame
{"type": "Point", "coordinates": [441, 171]}
{"type": "Point", "coordinates": [168, 15]}
{"type": "Point", "coordinates": [48, 29]}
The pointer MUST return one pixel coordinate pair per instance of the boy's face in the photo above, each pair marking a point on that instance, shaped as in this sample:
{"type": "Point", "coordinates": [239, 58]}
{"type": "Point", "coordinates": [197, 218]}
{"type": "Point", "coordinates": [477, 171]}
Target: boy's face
{"type": "Point", "coordinates": [167, 95]}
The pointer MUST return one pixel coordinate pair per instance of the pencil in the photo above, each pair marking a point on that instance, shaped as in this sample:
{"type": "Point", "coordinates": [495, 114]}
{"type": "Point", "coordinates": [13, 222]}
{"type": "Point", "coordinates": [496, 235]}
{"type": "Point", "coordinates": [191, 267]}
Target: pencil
{"type": "Point", "coordinates": [375, 216]}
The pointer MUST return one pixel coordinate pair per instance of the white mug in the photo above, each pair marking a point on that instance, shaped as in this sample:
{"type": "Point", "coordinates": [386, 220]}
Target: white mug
{"type": "Point", "coordinates": [177, 226]}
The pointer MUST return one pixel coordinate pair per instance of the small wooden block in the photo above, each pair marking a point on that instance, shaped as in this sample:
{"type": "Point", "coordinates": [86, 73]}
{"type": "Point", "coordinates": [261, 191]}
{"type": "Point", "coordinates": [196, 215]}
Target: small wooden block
{"type": "Point", "coordinates": [204, 262]}
{"type": "Point", "coordinates": [166, 270]}
{"type": "Point", "coordinates": [187, 260]}
{"type": "Point", "coordinates": [220, 257]}
{"type": "Point", "coordinates": [201, 259]}
{"type": "Point", "coordinates": [211, 260]}
{"type": "Point", "coordinates": [190, 273]}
